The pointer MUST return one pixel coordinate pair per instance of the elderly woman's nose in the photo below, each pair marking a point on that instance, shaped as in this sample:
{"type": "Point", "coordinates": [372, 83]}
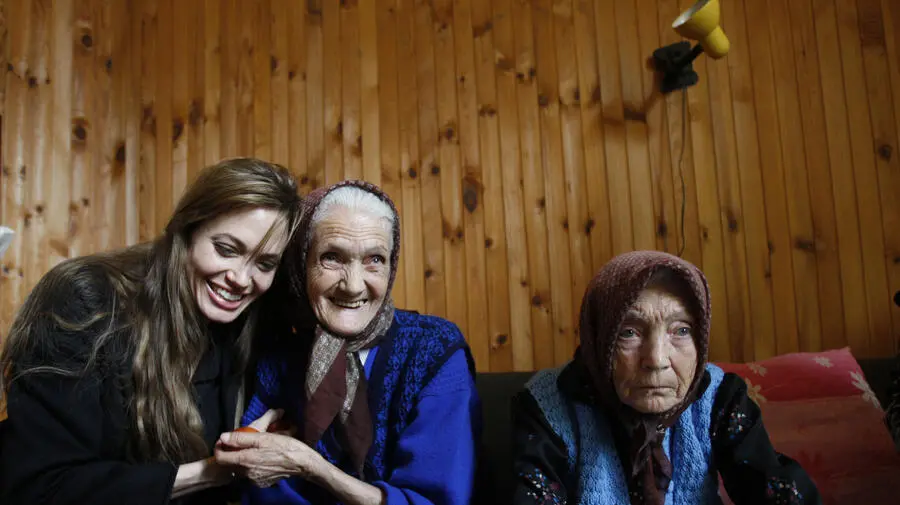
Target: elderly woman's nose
{"type": "Point", "coordinates": [353, 279]}
{"type": "Point", "coordinates": [654, 352]}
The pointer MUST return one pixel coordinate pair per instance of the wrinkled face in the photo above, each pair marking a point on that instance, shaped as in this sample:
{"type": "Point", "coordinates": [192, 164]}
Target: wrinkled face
{"type": "Point", "coordinates": [225, 276]}
{"type": "Point", "coordinates": [347, 269]}
{"type": "Point", "coordinates": [655, 354]}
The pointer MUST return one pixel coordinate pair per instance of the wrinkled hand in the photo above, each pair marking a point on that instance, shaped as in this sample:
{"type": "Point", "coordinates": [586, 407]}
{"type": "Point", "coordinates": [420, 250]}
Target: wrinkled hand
{"type": "Point", "coordinates": [269, 422]}
{"type": "Point", "coordinates": [266, 458]}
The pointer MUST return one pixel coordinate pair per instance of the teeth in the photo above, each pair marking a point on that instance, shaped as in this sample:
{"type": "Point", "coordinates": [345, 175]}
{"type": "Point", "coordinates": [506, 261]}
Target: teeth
{"type": "Point", "coordinates": [349, 305]}
{"type": "Point", "coordinates": [227, 295]}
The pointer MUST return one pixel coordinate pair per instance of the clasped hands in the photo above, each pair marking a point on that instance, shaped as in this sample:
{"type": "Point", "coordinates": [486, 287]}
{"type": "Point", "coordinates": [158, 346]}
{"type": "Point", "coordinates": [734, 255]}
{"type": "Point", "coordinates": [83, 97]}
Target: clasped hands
{"type": "Point", "coordinates": [265, 452]}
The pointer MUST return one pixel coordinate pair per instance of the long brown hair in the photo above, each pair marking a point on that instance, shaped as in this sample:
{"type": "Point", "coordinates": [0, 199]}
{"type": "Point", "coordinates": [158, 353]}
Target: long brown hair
{"type": "Point", "coordinates": [154, 305]}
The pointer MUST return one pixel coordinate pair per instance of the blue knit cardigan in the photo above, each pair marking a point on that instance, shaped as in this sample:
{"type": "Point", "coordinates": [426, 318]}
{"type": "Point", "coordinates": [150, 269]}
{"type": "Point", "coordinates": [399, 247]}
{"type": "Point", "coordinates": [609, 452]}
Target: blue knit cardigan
{"type": "Point", "coordinates": [421, 372]}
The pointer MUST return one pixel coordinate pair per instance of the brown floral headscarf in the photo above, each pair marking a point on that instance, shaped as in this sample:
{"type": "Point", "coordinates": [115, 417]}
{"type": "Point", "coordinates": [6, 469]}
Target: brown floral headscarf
{"type": "Point", "coordinates": [335, 378]}
{"type": "Point", "coordinates": [607, 299]}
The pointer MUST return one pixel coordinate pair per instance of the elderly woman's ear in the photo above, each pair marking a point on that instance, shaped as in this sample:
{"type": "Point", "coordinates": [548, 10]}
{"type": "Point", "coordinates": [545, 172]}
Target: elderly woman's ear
{"type": "Point", "coordinates": [641, 394]}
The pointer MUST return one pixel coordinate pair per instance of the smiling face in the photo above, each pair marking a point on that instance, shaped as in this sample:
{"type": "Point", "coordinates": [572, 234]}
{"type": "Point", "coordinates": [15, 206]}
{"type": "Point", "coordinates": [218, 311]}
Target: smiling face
{"type": "Point", "coordinates": [226, 277]}
{"type": "Point", "coordinates": [348, 269]}
{"type": "Point", "coordinates": [655, 354]}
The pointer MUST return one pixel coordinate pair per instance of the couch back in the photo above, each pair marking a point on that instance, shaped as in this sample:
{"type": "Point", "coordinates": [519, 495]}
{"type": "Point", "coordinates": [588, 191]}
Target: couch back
{"type": "Point", "coordinates": [495, 475]}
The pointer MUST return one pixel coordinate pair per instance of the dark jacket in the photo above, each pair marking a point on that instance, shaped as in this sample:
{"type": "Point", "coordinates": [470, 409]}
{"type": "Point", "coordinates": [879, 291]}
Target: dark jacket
{"type": "Point", "coordinates": [66, 440]}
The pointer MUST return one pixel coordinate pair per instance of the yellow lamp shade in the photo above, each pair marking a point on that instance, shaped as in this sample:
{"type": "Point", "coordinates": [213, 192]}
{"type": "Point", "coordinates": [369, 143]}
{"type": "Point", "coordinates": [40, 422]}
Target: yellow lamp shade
{"type": "Point", "coordinates": [701, 23]}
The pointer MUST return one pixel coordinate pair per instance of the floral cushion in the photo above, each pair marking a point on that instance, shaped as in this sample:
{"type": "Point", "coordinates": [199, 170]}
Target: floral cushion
{"type": "Point", "coordinates": [819, 410]}
{"type": "Point", "coordinates": [804, 376]}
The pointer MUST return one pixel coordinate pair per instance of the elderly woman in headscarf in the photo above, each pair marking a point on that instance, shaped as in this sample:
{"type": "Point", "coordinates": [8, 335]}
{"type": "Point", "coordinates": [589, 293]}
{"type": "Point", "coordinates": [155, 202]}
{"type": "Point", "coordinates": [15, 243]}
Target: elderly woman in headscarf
{"type": "Point", "coordinates": [639, 416]}
{"type": "Point", "coordinates": [382, 401]}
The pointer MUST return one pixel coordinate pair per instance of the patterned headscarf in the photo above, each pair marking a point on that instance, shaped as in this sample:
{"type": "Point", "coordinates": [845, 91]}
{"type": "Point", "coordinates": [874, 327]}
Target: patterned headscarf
{"type": "Point", "coordinates": [607, 299]}
{"type": "Point", "coordinates": [335, 377]}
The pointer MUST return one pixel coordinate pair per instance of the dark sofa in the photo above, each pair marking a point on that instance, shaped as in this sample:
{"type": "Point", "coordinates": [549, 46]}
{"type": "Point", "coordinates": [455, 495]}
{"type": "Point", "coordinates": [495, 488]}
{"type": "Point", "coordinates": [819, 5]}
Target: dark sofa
{"type": "Point", "coordinates": [495, 477]}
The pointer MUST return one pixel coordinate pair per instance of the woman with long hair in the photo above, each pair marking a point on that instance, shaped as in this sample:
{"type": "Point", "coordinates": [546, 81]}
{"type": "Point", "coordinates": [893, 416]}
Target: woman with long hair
{"type": "Point", "coordinates": [121, 369]}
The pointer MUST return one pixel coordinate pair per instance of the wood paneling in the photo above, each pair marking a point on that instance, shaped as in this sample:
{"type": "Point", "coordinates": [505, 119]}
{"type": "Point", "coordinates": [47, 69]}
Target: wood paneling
{"type": "Point", "coordinates": [525, 143]}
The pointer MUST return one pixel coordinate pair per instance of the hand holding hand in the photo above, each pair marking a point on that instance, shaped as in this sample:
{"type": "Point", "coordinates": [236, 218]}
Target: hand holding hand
{"type": "Point", "coordinates": [266, 458]}
{"type": "Point", "coordinates": [271, 422]}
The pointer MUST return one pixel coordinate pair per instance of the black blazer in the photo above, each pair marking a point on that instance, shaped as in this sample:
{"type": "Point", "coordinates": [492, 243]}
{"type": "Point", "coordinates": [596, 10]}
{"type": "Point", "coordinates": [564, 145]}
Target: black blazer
{"type": "Point", "coordinates": [65, 440]}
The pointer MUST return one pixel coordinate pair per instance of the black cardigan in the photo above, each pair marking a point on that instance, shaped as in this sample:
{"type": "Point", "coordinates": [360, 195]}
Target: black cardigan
{"type": "Point", "coordinates": [65, 440]}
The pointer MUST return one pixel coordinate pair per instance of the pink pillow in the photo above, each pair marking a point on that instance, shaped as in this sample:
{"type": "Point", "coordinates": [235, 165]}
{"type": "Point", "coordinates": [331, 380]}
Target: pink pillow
{"type": "Point", "coordinates": [819, 410]}
{"type": "Point", "coordinates": [802, 376]}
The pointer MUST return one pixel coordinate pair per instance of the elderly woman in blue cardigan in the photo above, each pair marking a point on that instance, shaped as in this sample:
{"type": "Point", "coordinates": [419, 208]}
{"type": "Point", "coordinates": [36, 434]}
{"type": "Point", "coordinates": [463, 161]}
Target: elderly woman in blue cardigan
{"type": "Point", "coordinates": [639, 416]}
{"type": "Point", "coordinates": [382, 401]}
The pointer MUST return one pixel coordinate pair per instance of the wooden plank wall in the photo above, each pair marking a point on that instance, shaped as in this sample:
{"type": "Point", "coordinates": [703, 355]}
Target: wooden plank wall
{"type": "Point", "coordinates": [524, 143]}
